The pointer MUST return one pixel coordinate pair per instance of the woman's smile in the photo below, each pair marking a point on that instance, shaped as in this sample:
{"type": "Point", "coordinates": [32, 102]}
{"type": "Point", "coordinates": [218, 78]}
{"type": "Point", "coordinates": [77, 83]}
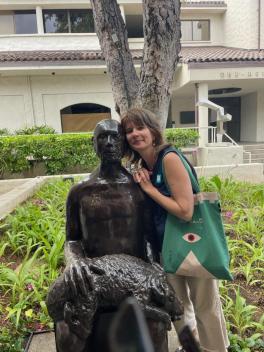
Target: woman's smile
{"type": "Point", "coordinates": [138, 136]}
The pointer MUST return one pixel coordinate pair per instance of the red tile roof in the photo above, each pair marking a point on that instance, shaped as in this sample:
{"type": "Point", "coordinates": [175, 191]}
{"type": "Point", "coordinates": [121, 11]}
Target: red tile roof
{"type": "Point", "coordinates": [203, 4]}
{"type": "Point", "coordinates": [219, 54]}
{"type": "Point", "coordinates": [71, 57]}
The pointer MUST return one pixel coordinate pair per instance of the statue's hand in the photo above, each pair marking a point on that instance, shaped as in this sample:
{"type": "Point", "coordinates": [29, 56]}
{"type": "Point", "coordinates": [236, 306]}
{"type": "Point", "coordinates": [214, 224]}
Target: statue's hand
{"type": "Point", "coordinates": [79, 318]}
{"type": "Point", "coordinates": [78, 279]}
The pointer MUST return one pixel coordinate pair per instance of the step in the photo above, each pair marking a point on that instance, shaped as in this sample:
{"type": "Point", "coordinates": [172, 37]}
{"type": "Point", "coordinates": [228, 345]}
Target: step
{"type": "Point", "coordinates": [253, 146]}
{"type": "Point", "coordinates": [253, 161]}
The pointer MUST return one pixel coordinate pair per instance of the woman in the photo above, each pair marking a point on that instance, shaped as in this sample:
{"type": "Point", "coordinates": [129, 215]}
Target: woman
{"type": "Point", "coordinates": [146, 148]}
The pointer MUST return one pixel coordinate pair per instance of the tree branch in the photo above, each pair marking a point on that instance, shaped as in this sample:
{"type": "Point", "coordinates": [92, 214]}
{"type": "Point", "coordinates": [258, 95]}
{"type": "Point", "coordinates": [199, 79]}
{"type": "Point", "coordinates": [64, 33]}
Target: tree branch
{"type": "Point", "coordinates": [160, 55]}
{"type": "Point", "coordinates": [112, 36]}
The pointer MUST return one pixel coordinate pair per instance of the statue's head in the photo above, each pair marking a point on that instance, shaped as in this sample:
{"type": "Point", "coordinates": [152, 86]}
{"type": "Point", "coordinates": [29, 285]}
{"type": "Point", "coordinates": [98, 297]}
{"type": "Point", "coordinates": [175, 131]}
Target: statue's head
{"type": "Point", "coordinates": [109, 140]}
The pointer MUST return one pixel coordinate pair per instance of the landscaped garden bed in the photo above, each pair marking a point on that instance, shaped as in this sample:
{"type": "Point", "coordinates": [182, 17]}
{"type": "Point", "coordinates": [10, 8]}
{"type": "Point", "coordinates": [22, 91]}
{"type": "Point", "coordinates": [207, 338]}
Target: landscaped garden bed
{"type": "Point", "coordinates": [31, 257]}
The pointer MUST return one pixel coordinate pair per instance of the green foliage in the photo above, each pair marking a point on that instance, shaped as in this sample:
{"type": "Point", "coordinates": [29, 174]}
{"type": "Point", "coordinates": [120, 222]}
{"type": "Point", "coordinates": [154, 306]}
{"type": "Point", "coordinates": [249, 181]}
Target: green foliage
{"type": "Point", "coordinates": [4, 132]}
{"type": "Point", "coordinates": [61, 152]}
{"type": "Point", "coordinates": [180, 137]}
{"type": "Point", "coordinates": [11, 342]}
{"type": "Point", "coordinates": [43, 129]}
{"type": "Point", "coordinates": [32, 245]}
{"type": "Point", "coordinates": [57, 152]}
{"type": "Point", "coordinates": [33, 240]}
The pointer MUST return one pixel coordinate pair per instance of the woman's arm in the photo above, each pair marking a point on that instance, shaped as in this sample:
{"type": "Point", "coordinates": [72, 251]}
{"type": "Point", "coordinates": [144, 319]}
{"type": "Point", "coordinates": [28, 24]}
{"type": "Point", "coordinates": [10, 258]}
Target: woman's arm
{"type": "Point", "coordinates": [180, 203]}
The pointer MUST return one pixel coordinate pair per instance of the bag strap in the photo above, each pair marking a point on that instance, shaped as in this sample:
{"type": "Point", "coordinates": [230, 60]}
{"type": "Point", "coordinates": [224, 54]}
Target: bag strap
{"type": "Point", "coordinates": [194, 182]}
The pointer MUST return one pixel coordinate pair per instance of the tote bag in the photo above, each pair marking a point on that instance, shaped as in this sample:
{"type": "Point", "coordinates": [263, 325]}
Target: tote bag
{"type": "Point", "coordinates": [198, 247]}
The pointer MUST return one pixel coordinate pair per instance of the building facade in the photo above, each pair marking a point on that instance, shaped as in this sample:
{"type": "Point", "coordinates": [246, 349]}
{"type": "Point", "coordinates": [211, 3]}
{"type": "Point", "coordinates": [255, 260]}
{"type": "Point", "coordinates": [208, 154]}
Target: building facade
{"type": "Point", "coordinates": [52, 71]}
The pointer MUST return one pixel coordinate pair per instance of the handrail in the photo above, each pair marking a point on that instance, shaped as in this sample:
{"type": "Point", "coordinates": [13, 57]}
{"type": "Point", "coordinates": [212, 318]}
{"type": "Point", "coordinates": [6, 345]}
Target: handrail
{"type": "Point", "coordinates": [249, 156]}
{"type": "Point", "coordinates": [231, 140]}
{"type": "Point", "coordinates": [212, 130]}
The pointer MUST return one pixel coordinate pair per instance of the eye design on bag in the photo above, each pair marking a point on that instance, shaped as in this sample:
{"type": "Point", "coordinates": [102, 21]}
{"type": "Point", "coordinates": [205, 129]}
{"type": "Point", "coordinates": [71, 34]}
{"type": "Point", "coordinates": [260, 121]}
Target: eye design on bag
{"type": "Point", "coordinates": [191, 237]}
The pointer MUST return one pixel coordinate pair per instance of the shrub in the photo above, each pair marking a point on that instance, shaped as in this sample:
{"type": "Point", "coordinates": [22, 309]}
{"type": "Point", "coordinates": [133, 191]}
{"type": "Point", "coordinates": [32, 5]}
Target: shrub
{"type": "Point", "coordinates": [60, 152]}
{"type": "Point", "coordinates": [57, 152]}
{"type": "Point", "coordinates": [43, 129]}
{"type": "Point", "coordinates": [180, 137]}
{"type": "Point", "coordinates": [4, 132]}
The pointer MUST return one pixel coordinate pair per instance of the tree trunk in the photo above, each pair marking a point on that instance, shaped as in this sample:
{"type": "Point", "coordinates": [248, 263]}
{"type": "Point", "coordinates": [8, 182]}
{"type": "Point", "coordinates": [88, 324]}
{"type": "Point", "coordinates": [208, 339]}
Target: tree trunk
{"type": "Point", "coordinates": [160, 54]}
{"type": "Point", "coordinates": [112, 34]}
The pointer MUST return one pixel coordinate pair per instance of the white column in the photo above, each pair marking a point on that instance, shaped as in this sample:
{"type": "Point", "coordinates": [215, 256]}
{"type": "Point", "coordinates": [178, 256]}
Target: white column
{"type": "Point", "coordinates": [122, 12]}
{"type": "Point", "coordinates": [202, 93]}
{"type": "Point", "coordinates": [39, 20]}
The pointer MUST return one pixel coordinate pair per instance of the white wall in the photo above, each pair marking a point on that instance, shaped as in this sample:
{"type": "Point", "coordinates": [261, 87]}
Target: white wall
{"type": "Point", "coordinates": [241, 23]}
{"type": "Point", "coordinates": [248, 117]}
{"type": "Point", "coordinates": [252, 117]}
{"type": "Point", "coordinates": [50, 94]}
{"type": "Point", "coordinates": [262, 25]}
{"type": "Point", "coordinates": [15, 103]}
{"type": "Point", "coordinates": [49, 42]}
{"type": "Point", "coordinates": [260, 116]}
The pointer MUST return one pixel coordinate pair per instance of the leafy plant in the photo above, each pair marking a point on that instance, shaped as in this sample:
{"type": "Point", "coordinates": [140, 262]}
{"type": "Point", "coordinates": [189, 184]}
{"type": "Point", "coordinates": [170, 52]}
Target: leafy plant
{"type": "Point", "coordinates": [59, 153]}
{"type": "Point", "coordinates": [4, 132]}
{"type": "Point", "coordinates": [43, 129]}
{"type": "Point", "coordinates": [31, 243]}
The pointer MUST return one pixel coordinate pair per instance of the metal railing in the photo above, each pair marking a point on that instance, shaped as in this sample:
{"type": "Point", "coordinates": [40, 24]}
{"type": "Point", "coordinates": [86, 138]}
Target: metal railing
{"type": "Point", "coordinates": [212, 130]}
{"type": "Point", "coordinates": [230, 139]}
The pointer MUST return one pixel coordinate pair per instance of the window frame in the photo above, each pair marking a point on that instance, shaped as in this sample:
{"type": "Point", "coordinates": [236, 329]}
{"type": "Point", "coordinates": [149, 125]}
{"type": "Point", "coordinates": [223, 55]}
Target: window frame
{"type": "Point", "coordinates": [14, 13]}
{"type": "Point", "coordinates": [198, 20]}
{"type": "Point", "coordinates": [69, 24]}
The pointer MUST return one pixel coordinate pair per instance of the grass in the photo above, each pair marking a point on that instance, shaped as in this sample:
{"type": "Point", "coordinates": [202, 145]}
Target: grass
{"type": "Point", "coordinates": [31, 257]}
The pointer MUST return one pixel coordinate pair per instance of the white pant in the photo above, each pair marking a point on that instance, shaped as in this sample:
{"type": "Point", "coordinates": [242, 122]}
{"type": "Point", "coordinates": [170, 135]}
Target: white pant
{"type": "Point", "coordinates": [202, 310]}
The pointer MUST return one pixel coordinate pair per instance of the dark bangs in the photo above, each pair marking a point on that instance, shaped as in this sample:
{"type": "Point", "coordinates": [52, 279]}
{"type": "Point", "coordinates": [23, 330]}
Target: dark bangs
{"type": "Point", "coordinates": [142, 118]}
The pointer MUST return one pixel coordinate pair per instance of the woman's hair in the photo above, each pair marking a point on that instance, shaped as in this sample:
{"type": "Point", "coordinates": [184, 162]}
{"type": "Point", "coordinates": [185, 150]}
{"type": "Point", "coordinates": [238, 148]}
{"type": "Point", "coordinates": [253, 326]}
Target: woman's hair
{"type": "Point", "coordinates": [143, 118]}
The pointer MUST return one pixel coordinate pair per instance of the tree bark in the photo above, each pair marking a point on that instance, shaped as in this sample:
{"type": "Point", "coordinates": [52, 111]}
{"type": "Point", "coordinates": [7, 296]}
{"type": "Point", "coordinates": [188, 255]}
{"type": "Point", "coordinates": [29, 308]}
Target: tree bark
{"type": "Point", "coordinates": [112, 34]}
{"type": "Point", "coordinates": [160, 54]}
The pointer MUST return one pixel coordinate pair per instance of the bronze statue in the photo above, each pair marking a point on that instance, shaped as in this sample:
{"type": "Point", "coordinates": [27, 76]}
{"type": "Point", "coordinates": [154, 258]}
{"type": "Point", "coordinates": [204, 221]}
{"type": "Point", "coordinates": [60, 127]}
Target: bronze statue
{"type": "Point", "coordinates": [108, 255]}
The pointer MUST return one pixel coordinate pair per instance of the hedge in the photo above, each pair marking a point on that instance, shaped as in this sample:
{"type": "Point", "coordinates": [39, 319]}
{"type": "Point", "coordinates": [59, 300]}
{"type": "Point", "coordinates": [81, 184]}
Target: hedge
{"type": "Point", "coordinates": [59, 152]}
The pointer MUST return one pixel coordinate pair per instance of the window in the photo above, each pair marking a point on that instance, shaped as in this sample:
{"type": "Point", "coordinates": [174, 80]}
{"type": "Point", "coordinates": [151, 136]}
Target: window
{"type": "Point", "coordinates": [134, 25]}
{"type": "Point", "coordinates": [187, 117]}
{"type": "Point", "coordinates": [68, 21]}
{"type": "Point", "coordinates": [25, 22]}
{"type": "Point", "coordinates": [195, 30]}
{"type": "Point", "coordinates": [18, 22]}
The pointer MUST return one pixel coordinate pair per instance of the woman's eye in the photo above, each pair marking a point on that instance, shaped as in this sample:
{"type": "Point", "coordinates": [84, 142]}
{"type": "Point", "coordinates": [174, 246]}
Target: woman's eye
{"type": "Point", "coordinates": [191, 237]}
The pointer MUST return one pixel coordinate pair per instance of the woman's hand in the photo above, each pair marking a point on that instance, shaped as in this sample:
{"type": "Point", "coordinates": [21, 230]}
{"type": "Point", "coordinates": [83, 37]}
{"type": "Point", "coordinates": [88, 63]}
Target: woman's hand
{"type": "Point", "coordinates": [142, 177]}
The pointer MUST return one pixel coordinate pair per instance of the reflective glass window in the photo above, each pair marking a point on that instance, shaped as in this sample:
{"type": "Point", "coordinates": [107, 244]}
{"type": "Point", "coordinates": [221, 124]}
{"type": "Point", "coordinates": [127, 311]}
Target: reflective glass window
{"type": "Point", "coordinates": [68, 21]}
{"type": "Point", "coordinates": [25, 22]}
{"type": "Point", "coordinates": [134, 26]}
{"type": "Point", "coordinates": [81, 21]}
{"type": "Point", "coordinates": [193, 30]}
{"type": "Point", "coordinates": [56, 21]}
{"type": "Point", "coordinates": [186, 30]}
{"type": "Point", "coordinates": [201, 30]}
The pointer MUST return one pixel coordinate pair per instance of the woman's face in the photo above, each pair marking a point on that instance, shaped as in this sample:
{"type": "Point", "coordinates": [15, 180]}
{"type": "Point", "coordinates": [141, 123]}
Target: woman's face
{"type": "Point", "coordinates": [139, 138]}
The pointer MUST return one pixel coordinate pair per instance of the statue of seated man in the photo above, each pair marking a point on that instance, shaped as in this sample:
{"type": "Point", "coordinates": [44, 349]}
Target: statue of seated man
{"type": "Point", "coordinates": [107, 215]}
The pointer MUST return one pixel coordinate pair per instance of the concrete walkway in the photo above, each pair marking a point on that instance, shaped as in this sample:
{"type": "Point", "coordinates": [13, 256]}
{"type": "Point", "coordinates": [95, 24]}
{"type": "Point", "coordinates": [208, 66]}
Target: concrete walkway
{"type": "Point", "coordinates": [46, 342]}
{"type": "Point", "coordinates": [14, 192]}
